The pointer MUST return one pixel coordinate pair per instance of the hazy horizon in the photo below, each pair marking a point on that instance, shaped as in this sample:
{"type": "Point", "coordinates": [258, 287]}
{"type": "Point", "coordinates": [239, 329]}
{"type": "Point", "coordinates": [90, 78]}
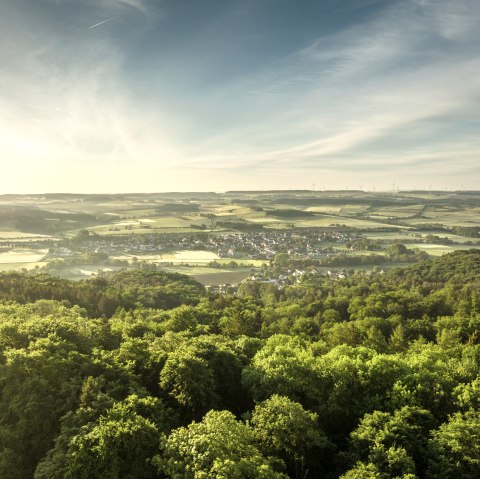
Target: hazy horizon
{"type": "Point", "coordinates": [131, 96]}
{"type": "Point", "coordinates": [247, 191]}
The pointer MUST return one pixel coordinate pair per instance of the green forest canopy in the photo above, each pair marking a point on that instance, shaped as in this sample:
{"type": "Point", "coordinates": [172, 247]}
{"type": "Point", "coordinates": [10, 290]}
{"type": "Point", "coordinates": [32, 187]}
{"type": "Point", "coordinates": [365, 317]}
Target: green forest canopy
{"type": "Point", "coordinates": [146, 375]}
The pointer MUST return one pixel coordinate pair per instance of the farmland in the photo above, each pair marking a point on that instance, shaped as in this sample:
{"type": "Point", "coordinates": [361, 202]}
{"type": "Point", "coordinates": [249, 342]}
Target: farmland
{"type": "Point", "coordinates": [22, 255]}
{"type": "Point", "coordinates": [224, 237]}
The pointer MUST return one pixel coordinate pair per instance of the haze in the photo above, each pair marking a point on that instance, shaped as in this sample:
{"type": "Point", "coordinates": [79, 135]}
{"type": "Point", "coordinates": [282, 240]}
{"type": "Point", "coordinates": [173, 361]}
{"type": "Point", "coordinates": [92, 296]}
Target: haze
{"type": "Point", "coordinates": [179, 95]}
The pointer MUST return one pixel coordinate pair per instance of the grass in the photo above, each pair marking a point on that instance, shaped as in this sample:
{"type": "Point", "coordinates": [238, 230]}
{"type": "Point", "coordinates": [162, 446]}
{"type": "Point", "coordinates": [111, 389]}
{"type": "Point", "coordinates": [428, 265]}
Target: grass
{"type": "Point", "coordinates": [80, 271]}
{"type": "Point", "coordinates": [221, 277]}
{"type": "Point", "coordinates": [331, 220]}
{"type": "Point", "coordinates": [257, 263]}
{"type": "Point", "coordinates": [140, 224]}
{"type": "Point", "coordinates": [390, 236]}
{"type": "Point", "coordinates": [106, 231]}
{"type": "Point", "coordinates": [397, 212]}
{"type": "Point", "coordinates": [179, 257]}
{"type": "Point", "coordinates": [22, 255]}
{"type": "Point", "coordinates": [14, 235]}
{"type": "Point", "coordinates": [20, 266]}
{"type": "Point", "coordinates": [467, 216]}
{"type": "Point", "coordinates": [439, 250]}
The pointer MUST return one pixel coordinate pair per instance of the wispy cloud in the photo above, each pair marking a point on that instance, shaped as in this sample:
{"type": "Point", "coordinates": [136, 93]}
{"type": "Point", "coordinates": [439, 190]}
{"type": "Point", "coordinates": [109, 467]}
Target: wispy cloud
{"type": "Point", "coordinates": [139, 4]}
{"type": "Point", "coordinates": [366, 83]}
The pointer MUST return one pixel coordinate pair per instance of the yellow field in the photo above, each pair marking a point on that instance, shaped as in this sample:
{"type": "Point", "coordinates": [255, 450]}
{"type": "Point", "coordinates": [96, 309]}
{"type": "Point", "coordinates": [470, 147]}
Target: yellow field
{"type": "Point", "coordinates": [20, 235]}
{"type": "Point", "coordinates": [22, 255]}
{"type": "Point", "coordinates": [179, 257]}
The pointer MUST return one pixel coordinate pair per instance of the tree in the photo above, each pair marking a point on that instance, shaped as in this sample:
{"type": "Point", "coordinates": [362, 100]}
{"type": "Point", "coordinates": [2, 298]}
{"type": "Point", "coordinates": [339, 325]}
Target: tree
{"type": "Point", "coordinates": [363, 471]}
{"type": "Point", "coordinates": [285, 429]}
{"type": "Point", "coordinates": [468, 395]}
{"type": "Point", "coordinates": [120, 445]}
{"type": "Point", "coordinates": [398, 339]}
{"type": "Point", "coordinates": [380, 435]}
{"type": "Point", "coordinates": [188, 380]}
{"type": "Point", "coordinates": [455, 447]}
{"type": "Point", "coordinates": [395, 464]}
{"type": "Point", "coordinates": [218, 447]}
{"type": "Point", "coordinates": [285, 365]}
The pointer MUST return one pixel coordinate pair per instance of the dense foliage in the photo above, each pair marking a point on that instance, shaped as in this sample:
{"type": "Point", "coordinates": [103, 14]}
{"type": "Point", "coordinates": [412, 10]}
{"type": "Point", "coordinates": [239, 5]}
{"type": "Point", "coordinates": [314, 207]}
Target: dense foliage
{"type": "Point", "coordinates": [145, 375]}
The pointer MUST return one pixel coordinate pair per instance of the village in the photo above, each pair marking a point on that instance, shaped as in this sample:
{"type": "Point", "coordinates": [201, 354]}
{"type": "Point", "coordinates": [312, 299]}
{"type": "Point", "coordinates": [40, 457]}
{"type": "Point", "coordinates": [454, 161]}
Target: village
{"type": "Point", "coordinates": [262, 245]}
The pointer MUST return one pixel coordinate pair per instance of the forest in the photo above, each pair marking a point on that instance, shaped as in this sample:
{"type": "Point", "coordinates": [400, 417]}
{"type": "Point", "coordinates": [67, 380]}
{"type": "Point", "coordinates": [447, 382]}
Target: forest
{"type": "Point", "coordinates": [146, 375]}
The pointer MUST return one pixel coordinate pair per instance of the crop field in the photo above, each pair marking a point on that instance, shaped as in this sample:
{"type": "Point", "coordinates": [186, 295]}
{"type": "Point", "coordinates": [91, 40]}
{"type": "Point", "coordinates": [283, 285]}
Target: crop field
{"type": "Point", "coordinates": [231, 210]}
{"type": "Point", "coordinates": [281, 225]}
{"type": "Point", "coordinates": [392, 236]}
{"type": "Point", "coordinates": [140, 231]}
{"type": "Point", "coordinates": [20, 266]}
{"type": "Point", "coordinates": [266, 221]}
{"type": "Point", "coordinates": [257, 263]}
{"type": "Point", "coordinates": [397, 212]}
{"type": "Point", "coordinates": [208, 276]}
{"type": "Point", "coordinates": [22, 255]}
{"type": "Point", "coordinates": [449, 220]}
{"type": "Point", "coordinates": [449, 216]}
{"type": "Point", "coordinates": [190, 257]}
{"type": "Point", "coordinates": [439, 250]}
{"type": "Point", "coordinates": [143, 214]}
{"type": "Point", "coordinates": [347, 210]}
{"type": "Point", "coordinates": [327, 209]}
{"type": "Point", "coordinates": [83, 271]}
{"type": "Point", "coordinates": [143, 225]}
{"type": "Point", "coordinates": [331, 221]}
{"type": "Point", "coordinates": [178, 257]}
{"type": "Point", "coordinates": [20, 235]}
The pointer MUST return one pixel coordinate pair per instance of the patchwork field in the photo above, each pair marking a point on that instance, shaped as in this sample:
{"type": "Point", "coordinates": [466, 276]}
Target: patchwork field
{"type": "Point", "coordinates": [31, 224]}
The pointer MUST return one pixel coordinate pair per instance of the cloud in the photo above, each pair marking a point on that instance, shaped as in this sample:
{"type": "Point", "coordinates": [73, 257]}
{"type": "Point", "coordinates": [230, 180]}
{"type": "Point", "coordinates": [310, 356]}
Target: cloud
{"type": "Point", "coordinates": [136, 4]}
{"type": "Point", "coordinates": [391, 93]}
{"type": "Point", "coordinates": [68, 104]}
{"type": "Point", "coordinates": [360, 85]}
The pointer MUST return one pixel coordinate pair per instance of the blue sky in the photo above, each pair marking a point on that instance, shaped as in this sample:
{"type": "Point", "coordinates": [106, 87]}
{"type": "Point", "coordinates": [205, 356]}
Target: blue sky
{"type": "Point", "coordinates": [163, 95]}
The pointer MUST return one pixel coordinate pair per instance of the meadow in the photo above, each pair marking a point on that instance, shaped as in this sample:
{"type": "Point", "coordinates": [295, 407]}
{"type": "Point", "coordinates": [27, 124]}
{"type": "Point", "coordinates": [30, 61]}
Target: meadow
{"type": "Point", "coordinates": [22, 255]}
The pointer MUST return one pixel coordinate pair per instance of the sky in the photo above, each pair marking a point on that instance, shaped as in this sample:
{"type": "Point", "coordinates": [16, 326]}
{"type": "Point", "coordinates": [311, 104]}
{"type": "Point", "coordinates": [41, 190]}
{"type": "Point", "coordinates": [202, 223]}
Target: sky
{"type": "Point", "coordinates": [216, 95]}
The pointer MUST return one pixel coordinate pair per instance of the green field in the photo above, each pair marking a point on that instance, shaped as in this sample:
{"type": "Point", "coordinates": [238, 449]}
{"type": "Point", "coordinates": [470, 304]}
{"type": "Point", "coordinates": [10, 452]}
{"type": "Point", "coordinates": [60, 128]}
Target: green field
{"type": "Point", "coordinates": [439, 250]}
{"type": "Point", "coordinates": [208, 276]}
{"type": "Point", "coordinates": [336, 220]}
{"type": "Point", "coordinates": [257, 263]}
